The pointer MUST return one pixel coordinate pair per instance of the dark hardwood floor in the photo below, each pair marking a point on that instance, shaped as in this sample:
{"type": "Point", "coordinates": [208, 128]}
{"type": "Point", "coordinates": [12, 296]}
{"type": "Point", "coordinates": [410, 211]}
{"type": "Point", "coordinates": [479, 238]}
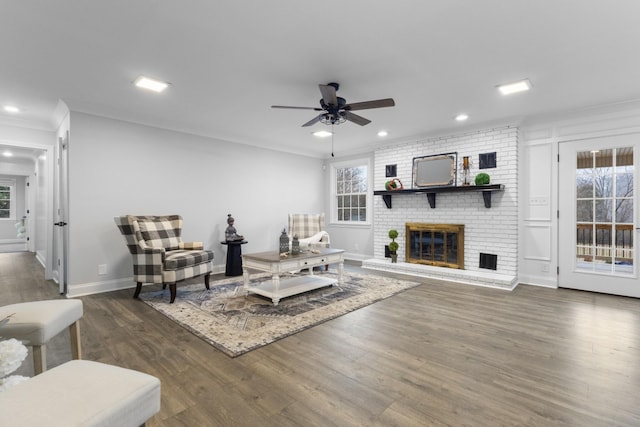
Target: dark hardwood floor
{"type": "Point", "coordinates": [440, 354]}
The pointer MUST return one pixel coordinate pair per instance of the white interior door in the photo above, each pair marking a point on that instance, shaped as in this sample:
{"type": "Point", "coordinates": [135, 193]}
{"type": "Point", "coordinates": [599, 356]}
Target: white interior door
{"type": "Point", "coordinates": [598, 215]}
{"type": "Point", "coordinates": [60, 229]}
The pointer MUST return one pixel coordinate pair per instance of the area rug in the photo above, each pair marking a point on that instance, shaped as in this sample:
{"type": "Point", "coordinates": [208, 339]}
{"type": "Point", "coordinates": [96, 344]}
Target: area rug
{"type": "Point", "coordinates": [236, 323]}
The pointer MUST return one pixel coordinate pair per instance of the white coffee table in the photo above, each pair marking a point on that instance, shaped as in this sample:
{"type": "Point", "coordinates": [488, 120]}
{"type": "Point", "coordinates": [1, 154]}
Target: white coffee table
{"type": "Point", "coordinates": [272, 262]}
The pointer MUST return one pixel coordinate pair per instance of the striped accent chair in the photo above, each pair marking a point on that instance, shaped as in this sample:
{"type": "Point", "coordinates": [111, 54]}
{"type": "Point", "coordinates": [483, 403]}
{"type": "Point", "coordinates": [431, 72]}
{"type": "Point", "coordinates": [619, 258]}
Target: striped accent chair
{"type": "Point", "coordinates": [160, 255]}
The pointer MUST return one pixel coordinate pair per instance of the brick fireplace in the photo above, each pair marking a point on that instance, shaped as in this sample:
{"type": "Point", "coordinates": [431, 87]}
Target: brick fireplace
{"type": "Point", "coordinates": [491, 231]}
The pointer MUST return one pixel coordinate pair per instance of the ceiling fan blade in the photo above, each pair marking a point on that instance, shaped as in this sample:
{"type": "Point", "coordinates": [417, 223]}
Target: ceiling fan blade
{"type": "Point", "coordinates": [378, 103]}
{"type": "Point", "coordinates": [328, 94]}
{"type": "Point", "coordinates": [297, 108]}
{"type": "Point", "coordinates": [313, 121]}
{"type": "Point", "coordinates": [359, 120]}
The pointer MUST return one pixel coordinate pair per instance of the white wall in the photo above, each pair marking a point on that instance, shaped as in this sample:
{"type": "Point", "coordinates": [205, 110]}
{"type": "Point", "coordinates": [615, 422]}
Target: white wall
{"type": "Point", "coordinates": [356, 240]}
{"type": "Point", "coordinates": [538, 175]}
{"type": "Point", "coordinates": [118, 168]}
{"type": "Point", "coordinates": [42, 211]}
{"type": "Point", "coordinates": [8, 231]}
{"type": "Point", "coordinates": [20, 166]}
{"type": "Point", "coordinates": [25, 136]}
{"type": "Point", "coordinates": [492, 230]}
{"type": "Point", "coordinates": [21, 135]}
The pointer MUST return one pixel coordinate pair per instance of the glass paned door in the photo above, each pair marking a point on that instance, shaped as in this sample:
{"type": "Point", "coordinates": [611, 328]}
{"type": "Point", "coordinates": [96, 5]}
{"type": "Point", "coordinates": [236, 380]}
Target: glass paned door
{"type": "Point", "coordinates": [604, 210]}
{"type": "Point", "coordinates": [597, 215]}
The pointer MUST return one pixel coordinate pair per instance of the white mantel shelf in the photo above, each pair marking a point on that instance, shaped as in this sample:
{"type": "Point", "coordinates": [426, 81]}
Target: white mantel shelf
{"type": "Point", "coordinates": [477, 277]}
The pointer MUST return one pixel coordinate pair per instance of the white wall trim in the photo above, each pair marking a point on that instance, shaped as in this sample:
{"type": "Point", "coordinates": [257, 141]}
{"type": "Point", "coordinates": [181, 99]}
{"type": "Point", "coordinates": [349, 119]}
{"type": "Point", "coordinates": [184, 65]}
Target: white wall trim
{"type": "Point", "coordinates": [100, 287]}
{"type": "Point", "coordinates": [40, 257]}
{"type": "Point", "coordinates": [352, 256]}
{"type": "Point", "coordinates": [541, 281]}
{"type": "Point", "coordinates": [13, 245]}
{"type": "Point", "coordinates": [477, 278]}
{"type": "Point", "coordinates": [116, 285]}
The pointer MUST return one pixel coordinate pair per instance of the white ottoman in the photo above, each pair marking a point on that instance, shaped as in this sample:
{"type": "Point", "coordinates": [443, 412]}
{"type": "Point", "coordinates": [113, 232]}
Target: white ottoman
{"type": "Point", "coordinates": [82, 393]}
{"type": "Point", "coordinates": [35, 323]}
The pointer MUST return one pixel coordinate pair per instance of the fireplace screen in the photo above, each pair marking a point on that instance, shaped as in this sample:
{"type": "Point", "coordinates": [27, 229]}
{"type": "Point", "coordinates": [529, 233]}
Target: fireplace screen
{"type": "Point", "coordinates": [435, 244]}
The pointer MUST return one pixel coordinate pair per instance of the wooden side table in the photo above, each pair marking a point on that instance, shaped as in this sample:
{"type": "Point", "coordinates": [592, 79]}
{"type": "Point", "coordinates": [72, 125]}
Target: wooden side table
{"type": "Point", "coordinates": [234, 257]}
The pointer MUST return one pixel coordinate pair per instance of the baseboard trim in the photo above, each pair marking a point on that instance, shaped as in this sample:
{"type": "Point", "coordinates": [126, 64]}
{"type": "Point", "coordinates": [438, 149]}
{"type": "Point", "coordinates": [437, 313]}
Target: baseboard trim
{"type": "Point", "coordinates": [41, 259]}
{"type": "Point", "coordinates": [91, 288]}
{"type": "Point", "coordinates": [351, 256]}
{"type": "Point", "coordinates": [13, 245]}
{"type": "Point", "coordinates": [99, 287]}
{"type": "Point", "coordinates": [541, 281]}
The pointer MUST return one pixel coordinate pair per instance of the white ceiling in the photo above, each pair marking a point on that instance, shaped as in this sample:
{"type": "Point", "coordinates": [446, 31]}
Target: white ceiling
{"type": "Point", "coordinates": [228, 62]}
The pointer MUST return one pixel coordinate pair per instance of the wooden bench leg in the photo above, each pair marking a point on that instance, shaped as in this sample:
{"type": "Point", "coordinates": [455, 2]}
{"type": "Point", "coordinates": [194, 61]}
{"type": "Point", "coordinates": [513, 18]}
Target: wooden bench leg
{"type": "Point", "coordinates": [39, 359]}
{"type": "Point", "coordinates": [206, 280]}
{"type": "Point", "coordinates": [74, 334]}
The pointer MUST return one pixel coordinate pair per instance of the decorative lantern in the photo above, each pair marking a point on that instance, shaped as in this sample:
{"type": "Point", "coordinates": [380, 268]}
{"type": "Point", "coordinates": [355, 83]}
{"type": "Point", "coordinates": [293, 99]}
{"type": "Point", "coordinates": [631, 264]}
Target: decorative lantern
{"type": "Point", "coordinates": [295, 246]}
{"type": "Point", "coordinates": [284, 242]}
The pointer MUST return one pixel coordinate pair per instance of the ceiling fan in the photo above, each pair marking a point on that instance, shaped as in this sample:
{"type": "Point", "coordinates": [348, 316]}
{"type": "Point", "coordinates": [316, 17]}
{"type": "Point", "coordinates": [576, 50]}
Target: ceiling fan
{"type": "Point", "coordinates": [335, 110]}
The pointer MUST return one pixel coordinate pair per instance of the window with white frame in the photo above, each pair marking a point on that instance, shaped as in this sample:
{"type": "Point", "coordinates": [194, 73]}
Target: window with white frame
{"type": "Point", "coordinates": [350, 192]}
{"type": "Point", "coordinates": [7, 199]}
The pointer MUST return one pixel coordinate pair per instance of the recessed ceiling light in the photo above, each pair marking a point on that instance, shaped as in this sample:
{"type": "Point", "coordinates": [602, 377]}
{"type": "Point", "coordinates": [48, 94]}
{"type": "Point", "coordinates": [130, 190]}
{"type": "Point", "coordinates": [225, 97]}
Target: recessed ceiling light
{"type": "Point", "coordinates": [7, 153]}
{"type": "Point", "coordinates": [151, 84]}
{"type": "Point", "coordinates": [383, 133]}
{"type": "Point", "coordinates": [461, 117]}
{"type": "Point", "coordinates": [322, 134]}
{"type": "Point", "coordinates": [11, 109]}
{"type": "Point", "coordinates": [515, 87]}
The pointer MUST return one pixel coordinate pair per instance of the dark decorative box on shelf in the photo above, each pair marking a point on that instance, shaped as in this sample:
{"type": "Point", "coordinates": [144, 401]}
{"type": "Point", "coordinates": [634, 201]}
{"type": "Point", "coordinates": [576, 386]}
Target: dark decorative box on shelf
{"type": "Point", "coordinates": [432, 191]}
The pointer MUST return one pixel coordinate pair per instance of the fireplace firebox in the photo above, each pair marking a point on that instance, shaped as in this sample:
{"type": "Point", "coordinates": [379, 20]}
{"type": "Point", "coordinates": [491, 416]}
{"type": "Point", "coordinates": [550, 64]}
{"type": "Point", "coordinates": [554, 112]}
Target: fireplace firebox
{"type": "Point", "coordinates": [435, 244]}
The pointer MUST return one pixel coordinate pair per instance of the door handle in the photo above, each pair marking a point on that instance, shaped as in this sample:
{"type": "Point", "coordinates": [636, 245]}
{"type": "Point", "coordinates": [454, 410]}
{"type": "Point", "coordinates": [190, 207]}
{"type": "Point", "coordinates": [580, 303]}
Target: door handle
{"type": "Point", "coordinates": [60, 224]}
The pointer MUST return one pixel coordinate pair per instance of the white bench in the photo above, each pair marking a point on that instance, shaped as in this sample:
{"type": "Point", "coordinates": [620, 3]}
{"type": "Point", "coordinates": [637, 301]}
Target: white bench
{"type": "Point", "coordinates": [82, 393]}
{"type": "Point", "coordinates": [36, 322]}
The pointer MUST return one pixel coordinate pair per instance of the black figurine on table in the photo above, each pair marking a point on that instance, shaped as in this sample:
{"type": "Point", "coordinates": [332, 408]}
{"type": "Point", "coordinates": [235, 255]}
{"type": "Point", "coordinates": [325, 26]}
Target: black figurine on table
{"type": "Point", "coordinates": [233, 240]}
{"type": "Point", "coordinates": [230, 233]}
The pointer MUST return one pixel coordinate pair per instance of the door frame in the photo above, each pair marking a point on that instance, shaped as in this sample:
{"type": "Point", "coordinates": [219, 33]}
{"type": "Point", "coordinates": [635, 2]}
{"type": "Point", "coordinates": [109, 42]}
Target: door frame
{"type": "Point", "coordinates": [566, 263]}
{"type": "Point", "coordinates": [45, 259]}
{"type": "Point", "coordinates": [61, 231]}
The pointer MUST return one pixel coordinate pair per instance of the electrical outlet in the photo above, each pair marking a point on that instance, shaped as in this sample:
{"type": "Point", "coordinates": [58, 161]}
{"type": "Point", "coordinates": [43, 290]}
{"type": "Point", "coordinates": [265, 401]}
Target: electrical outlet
{"type": "Point", "coordinates": [102, 269]}
{"type": "Point", "coordinates": [545, 268]}
{"type": "Point", "coordinates": [356, 247]}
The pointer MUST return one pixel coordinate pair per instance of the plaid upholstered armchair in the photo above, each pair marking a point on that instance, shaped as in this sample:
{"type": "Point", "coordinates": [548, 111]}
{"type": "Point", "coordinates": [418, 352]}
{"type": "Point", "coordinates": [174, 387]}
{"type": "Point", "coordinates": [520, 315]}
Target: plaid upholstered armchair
{"type": "Point", "coordinates": [310, 230]}
{"type": "Point", "coordinates": [160, 255]}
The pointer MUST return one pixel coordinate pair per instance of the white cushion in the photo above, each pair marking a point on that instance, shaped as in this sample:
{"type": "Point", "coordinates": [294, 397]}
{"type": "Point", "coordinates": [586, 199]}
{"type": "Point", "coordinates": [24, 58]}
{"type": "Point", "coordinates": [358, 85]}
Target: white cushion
{"type": "Point", "coordinates": [36, 322]}
{"type": "Point", "coordinates": [82, 393]}
{"type": "Point", "coordinates": [316, 238]}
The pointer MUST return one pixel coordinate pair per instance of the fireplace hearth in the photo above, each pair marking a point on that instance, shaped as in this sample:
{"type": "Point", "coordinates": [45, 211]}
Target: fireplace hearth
{"type": "Point", "coordinates": [440, 245]}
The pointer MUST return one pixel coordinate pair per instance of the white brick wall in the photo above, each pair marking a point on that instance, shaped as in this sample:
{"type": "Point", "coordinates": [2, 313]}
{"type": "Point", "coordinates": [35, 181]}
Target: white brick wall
{"type": "Point", "coordinates": [491, 230]}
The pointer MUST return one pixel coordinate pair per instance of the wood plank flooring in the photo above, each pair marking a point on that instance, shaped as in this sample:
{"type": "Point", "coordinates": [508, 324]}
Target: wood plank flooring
{"type": "Point", "coordinates": [441, 354]}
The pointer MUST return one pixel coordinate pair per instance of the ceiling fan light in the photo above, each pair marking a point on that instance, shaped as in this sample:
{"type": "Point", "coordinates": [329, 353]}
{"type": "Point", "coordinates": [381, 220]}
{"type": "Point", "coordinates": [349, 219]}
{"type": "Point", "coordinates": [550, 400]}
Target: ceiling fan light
{"type": "Point", "coordinates": [150, 84]}
{"type": "Point", "coordinates": [322, 133]}
{"type": "Point", "coordinates": [383, 133]}
{"type": "Point", "coordinates": [515, 87]}
{"type": "Point", "coordinates": [11, 109]}
{"type": "Point", "coordinates": [331, 119]}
